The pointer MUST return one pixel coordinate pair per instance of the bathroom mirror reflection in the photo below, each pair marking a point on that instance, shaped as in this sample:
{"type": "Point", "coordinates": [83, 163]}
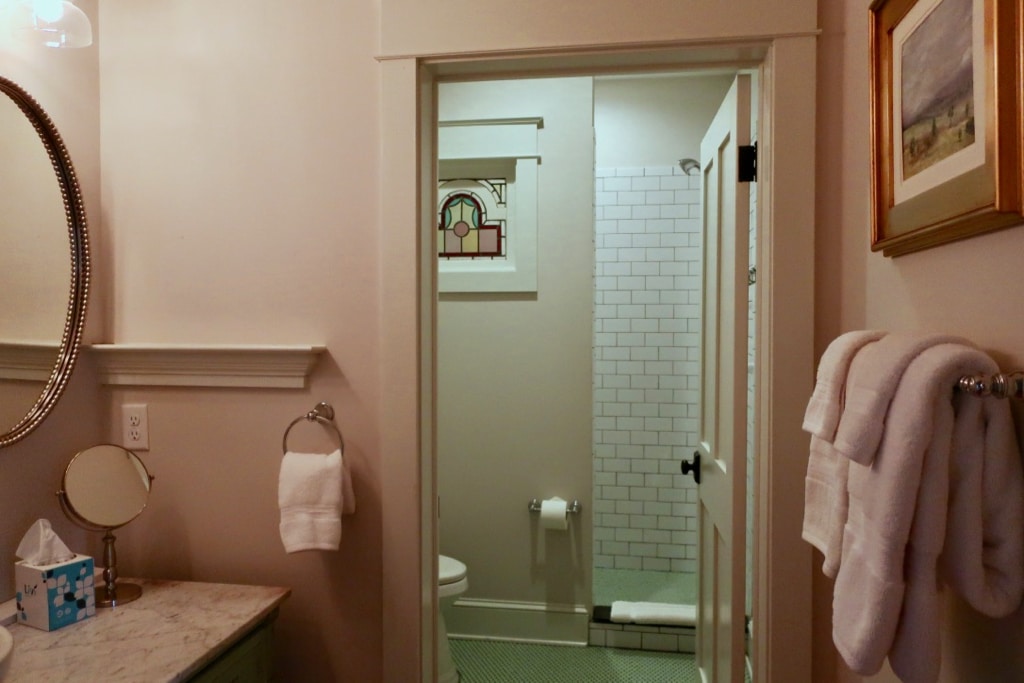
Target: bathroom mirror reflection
{"type": "Point", "coordinates": [105, 487]}
{"type": "Point", "coordinates": [44, 264]}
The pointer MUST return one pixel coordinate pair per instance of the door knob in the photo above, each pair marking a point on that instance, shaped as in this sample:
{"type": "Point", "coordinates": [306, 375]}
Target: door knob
{"type": "Point", "coordinates": [692, 466]}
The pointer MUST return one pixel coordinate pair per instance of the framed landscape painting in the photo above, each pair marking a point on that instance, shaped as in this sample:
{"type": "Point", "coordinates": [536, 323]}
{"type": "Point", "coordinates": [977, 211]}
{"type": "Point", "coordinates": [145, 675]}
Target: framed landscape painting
{"type": "Point", "coordinates": [945, 121]}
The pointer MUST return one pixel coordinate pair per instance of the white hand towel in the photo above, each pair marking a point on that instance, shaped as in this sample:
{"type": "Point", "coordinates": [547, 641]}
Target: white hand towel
{"type": "Point", "coordinates": [826, 503]}
{"type": "Point", "coordinates": [872, 383]}
{"type": "Point", "coordinates": [313, 492]}
{"type": "Point", "coordinates": [825, 498]}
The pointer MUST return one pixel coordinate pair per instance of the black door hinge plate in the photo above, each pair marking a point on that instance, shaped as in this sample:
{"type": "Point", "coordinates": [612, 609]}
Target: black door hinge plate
{"type": "Point", "coordinates": [747, 163]}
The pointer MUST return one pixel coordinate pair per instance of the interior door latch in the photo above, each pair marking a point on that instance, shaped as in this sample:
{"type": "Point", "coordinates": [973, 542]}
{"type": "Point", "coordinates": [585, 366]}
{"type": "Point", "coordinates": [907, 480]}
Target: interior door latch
{"type": "Point", "coordinates": [692, 466]}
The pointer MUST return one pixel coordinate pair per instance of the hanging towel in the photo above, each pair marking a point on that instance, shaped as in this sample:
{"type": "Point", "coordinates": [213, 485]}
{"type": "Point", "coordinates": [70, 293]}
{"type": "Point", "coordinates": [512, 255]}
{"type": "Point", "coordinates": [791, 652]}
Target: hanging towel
{"type": "Point", "coordinates": [825, 407]}
{"type": "Point", "coordinates": [825, 500]}
{"type": "Point", "coordinates": [870, 390]}
{"type": "Point", "coordinates": [661, 613]}
{"type": "Point", "coordinates": [314, 490]}
{"type": "Point", "coordinates": [901, 518]}
{"type": "Point", "coordinates": [984, 556]}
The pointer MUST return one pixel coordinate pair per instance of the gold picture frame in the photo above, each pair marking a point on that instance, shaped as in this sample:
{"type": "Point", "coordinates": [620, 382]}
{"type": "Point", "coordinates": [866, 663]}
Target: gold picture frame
{"type": "Point", "coordinates": [946, 125]}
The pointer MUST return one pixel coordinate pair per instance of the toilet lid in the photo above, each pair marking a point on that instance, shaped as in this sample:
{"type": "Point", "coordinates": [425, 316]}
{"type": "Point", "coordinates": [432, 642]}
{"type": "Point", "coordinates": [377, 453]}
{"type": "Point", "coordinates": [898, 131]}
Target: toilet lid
{"type": "Point", "coordinates": [449, 570]}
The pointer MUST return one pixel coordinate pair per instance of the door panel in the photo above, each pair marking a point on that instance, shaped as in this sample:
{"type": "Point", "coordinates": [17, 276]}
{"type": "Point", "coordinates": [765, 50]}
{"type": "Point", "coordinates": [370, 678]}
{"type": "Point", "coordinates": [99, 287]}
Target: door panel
{"type": "Point", "coordinates": [722, 436]}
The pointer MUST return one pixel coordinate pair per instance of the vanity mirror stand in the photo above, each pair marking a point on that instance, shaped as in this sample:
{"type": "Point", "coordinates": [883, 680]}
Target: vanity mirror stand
{"type": "Point", "coordinates": [105, 487]}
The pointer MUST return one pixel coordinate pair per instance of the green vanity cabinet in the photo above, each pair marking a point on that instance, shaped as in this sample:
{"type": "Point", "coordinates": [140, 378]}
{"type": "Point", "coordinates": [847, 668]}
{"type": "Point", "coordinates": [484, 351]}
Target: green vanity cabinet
{"type": "Point", "coordinates": [249, 661]}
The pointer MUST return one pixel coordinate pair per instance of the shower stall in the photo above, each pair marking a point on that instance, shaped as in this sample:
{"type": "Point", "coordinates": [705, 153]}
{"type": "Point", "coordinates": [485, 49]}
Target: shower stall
{"type": "Point", "coordinates": [646, 370]}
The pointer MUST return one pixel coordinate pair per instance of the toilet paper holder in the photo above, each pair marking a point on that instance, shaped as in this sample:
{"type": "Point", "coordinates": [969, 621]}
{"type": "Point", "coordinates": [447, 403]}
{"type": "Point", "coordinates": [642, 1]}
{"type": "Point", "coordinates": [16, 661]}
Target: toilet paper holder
{"type": "Point", "coordinates": [573, 507]}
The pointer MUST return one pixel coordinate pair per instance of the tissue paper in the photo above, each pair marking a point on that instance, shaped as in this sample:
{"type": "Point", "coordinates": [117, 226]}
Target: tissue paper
{"type": "Point", "coordinates": [41, 546]}
{"type": "Point", "coordinates": [54, 586]}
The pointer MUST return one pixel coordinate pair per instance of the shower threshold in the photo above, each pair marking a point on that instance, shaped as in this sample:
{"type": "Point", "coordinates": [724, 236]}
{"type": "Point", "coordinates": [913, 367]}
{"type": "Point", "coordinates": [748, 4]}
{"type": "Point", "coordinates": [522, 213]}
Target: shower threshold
{"type": "Point", "coordinates": [652, 637]}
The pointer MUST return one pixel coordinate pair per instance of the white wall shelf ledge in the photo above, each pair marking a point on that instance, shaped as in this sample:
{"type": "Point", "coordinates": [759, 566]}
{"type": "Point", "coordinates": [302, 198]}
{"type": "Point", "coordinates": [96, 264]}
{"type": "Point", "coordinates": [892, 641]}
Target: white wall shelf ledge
{"type": "Point", "coordinates": [266, 367]}
{"type": "Point", "coordinates": [27, 361]}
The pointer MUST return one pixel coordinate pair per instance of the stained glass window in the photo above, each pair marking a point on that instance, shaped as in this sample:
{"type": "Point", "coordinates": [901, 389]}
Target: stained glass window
{"type": "Point", "coordinates": [472, 219]}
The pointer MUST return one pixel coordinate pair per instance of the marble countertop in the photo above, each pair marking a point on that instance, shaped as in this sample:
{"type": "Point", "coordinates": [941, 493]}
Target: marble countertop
{"type": "Point", "coordinates": [169, 634]}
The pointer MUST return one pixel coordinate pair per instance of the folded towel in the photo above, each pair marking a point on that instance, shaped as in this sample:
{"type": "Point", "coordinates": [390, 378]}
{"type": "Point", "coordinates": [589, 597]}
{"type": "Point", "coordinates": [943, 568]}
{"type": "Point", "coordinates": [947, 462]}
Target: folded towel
{"type": "Point", "coordinates": [313, 492]}
{"type": "Point", "coordinates": [825, 406]}
{"type": "Point", "coordinates": [825, 498]}
{"type": "Point", "coordinates": [886, 591]}
{"type": "Point", "coordinates": [665, 614]}
{"type": "Point", "coordinates": [873, 379]}
{"type": "Point", "coordinates": [983, 558]}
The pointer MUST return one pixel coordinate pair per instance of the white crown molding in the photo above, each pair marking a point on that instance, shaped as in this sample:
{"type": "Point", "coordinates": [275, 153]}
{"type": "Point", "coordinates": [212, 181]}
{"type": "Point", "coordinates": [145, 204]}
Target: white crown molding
{"type": "Point", "coordinates": [270, 367]}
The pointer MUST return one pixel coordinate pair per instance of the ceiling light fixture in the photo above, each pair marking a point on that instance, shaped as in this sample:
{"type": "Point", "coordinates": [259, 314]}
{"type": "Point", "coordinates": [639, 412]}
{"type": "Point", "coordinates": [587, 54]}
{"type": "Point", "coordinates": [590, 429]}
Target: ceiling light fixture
{"type": "Point", "coordinates": [54, 23]}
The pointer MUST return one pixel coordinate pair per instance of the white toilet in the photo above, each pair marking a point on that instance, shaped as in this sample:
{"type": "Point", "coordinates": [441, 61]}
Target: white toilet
{"type": "Point", "coordinates": [452, 582]}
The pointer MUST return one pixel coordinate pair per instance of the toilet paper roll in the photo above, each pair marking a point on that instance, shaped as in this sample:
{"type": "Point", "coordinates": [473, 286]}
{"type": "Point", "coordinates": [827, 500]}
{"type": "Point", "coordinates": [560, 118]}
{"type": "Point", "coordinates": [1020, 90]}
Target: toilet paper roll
{"type": "Point", "coordinates": [554, 514]}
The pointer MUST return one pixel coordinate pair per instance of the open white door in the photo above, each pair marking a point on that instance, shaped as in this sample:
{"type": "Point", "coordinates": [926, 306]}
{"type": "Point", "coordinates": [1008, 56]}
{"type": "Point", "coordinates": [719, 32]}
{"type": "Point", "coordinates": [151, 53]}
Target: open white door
{"type": "Point", "coordinates": [722, 437]}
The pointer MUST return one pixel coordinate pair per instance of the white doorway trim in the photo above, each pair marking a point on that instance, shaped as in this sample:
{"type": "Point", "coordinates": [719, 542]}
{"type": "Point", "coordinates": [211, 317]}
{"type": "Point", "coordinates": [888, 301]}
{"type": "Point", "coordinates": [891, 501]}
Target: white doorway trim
{"type": "Point", "coordinates": [784, 372]}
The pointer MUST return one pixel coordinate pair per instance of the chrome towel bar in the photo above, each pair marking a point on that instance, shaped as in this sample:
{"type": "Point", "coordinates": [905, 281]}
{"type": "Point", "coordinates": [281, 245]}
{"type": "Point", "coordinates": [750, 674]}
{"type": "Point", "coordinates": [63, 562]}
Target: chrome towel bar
{"type": "Point", "coordinates": [1001, 385]}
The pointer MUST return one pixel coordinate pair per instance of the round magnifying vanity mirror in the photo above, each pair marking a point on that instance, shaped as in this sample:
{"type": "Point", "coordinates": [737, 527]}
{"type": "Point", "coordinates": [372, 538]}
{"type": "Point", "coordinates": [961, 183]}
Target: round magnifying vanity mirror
{"type": "Point", "coordinates": [104, 488]}
{"type": "Point", "coordinates": [44, 264]}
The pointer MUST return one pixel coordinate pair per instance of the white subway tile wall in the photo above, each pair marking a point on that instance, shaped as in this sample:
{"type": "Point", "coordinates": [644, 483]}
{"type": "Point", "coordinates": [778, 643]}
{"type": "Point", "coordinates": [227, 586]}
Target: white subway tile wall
{"type": "Point", "coordinates": [646, 367]}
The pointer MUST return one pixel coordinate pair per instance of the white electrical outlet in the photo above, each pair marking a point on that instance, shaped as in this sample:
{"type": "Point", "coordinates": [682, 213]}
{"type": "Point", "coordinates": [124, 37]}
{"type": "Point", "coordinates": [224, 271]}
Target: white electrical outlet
{"type": "Point", "coordinates": [135, 427]}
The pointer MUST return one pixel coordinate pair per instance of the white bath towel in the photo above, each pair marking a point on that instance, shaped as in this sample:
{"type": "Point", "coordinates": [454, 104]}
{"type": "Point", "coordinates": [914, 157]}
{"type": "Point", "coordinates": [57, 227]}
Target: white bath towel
{"type": "Point", "coordinates": [871, 386]}
{"type": "Point", "coordinates": [901, 518]}
{"type": "Point", "coordinates": [825, 499]}
{"type": "Point", "coordinates": [984, 556]}
{"type": "Point", "coordinates": [665, 614]}
{"type": "Point", "coordinates": [314, 490]}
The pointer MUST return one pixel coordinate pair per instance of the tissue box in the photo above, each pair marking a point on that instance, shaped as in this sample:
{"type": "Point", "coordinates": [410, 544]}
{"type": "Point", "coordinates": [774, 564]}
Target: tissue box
{"type": "Point", "coordinates": [50, 596]}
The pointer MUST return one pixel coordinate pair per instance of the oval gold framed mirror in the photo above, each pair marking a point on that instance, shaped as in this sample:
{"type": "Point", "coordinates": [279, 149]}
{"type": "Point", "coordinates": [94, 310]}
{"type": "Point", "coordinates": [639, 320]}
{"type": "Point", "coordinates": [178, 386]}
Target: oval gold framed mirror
{"type": "Point", "coordinates": [105, 487]}
{"type": "Point", "coordinates": [42, 222]}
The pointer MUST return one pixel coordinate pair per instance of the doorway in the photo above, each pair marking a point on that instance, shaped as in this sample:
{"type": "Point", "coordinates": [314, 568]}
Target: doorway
{"type": "Point", "coordinates": [785, 295]}
{"type": "Point", "coordinates": [603, 339]}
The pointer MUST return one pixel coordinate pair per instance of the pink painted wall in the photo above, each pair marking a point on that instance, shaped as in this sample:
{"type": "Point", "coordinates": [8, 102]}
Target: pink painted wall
{"type": "Point", "coordinates": [971, 288]}
{"type": "Point", "coordinates": [240, 192]}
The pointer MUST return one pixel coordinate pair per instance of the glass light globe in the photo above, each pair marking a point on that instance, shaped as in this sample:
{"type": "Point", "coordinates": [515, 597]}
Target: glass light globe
{"type": "Point", "coordinates": [55, 23]}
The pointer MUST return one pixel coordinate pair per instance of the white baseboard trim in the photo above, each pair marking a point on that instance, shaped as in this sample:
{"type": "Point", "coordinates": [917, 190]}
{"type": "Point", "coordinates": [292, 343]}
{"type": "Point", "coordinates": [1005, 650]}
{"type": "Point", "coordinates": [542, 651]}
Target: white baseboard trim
{"type": "Point", "coordinates": [528, 622]}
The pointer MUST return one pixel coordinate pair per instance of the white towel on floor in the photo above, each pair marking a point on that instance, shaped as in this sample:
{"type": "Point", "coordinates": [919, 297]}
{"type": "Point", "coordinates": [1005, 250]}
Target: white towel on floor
{"type": "Point", "coordinates": [825, 499]}
{"type": "Point", "coordinates": [314, 490]}
{"type": "Point", "coordinates": [946, 480]}
{"type": "Point", "coordinates": [666, 614]}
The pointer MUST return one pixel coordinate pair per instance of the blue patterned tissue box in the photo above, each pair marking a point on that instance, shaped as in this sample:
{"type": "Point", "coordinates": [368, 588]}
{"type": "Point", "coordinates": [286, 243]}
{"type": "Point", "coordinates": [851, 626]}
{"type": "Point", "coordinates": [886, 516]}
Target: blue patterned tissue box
{"type": "Point", "coordinates": [54, 595]}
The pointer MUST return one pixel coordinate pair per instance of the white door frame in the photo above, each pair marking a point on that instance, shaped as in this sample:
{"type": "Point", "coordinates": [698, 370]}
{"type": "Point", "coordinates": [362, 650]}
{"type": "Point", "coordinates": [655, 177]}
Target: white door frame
{"type": "Point", "coordinates": [784, 367]}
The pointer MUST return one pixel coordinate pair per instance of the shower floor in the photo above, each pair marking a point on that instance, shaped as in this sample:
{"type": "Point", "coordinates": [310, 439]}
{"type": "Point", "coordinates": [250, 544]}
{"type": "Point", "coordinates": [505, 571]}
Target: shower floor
{"type": "Point", "coordinates": [636, 585]}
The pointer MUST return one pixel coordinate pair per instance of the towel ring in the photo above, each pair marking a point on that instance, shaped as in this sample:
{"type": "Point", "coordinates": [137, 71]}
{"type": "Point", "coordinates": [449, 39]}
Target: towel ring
{"type": "Point", "coordinates": [322, 413]}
